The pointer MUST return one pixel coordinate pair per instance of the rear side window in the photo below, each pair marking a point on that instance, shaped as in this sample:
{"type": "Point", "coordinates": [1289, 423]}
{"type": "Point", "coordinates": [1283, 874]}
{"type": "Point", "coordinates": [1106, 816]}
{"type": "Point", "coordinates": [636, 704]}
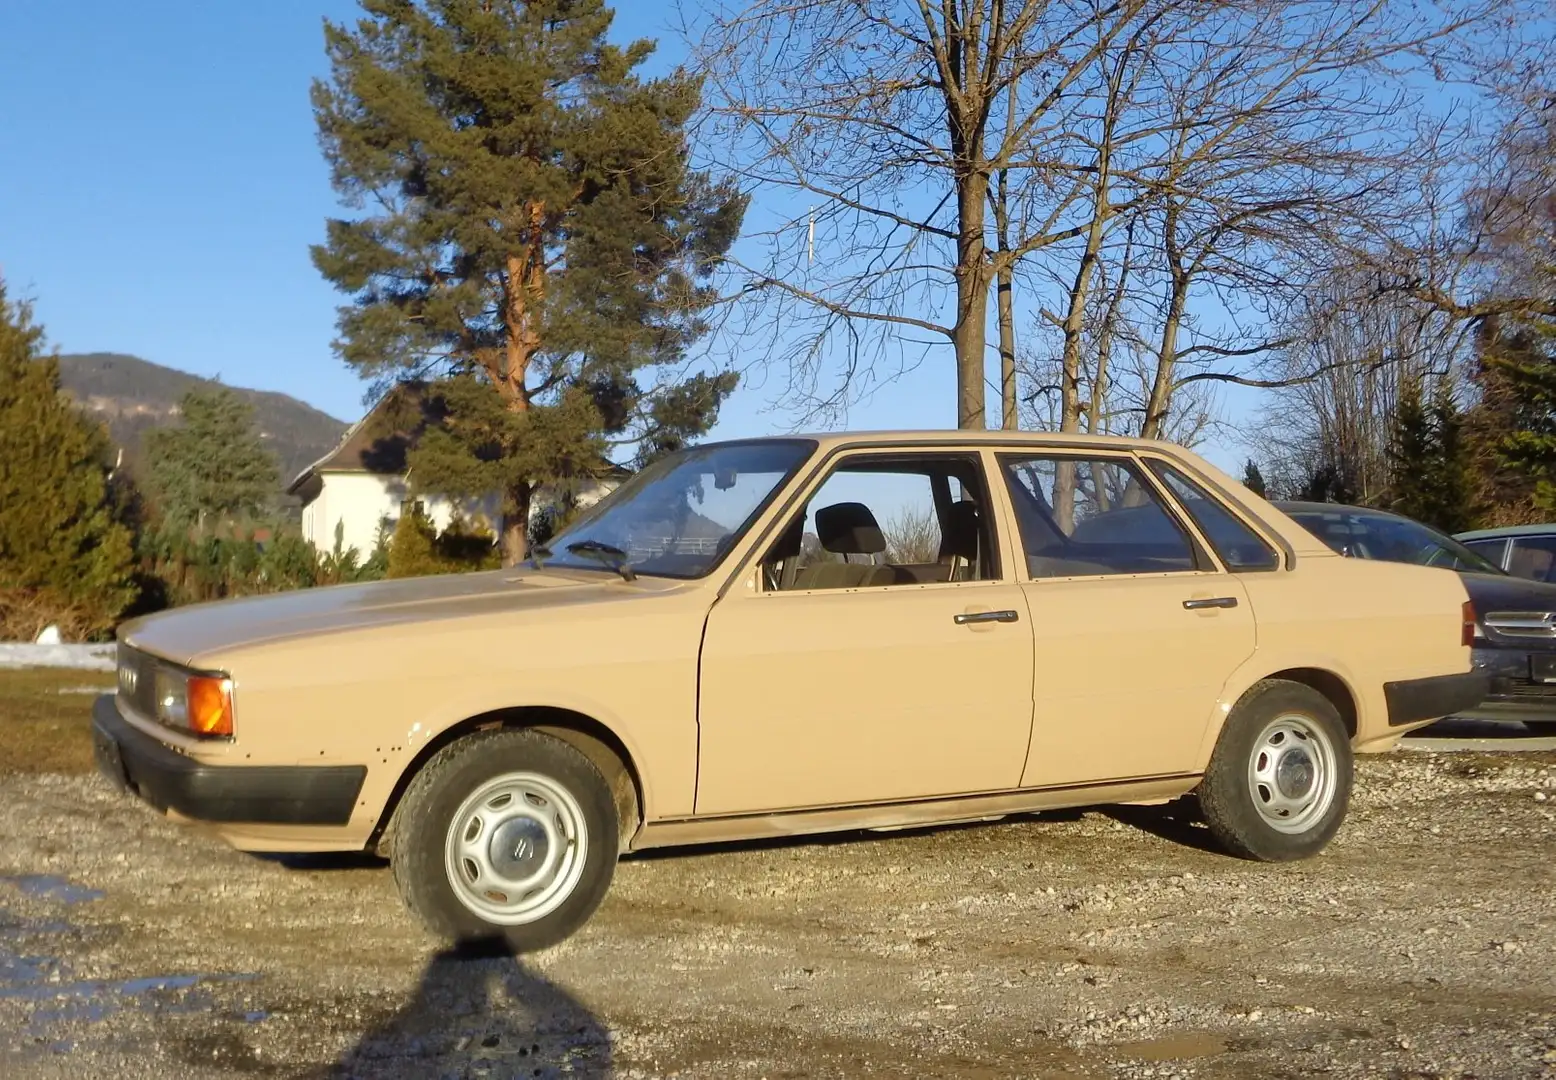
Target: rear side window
{"type": "Point", "coordinates": [1082, 517]}
{"type": "Point", "coordinates": [1239, 546]}
{"type": "Point", "coordinates": [1534, 557]}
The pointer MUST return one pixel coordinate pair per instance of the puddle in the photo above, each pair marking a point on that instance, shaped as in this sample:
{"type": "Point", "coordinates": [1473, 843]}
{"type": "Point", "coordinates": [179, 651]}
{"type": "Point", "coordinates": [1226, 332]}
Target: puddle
{"type": "Point", "coordinates": [1173, 1047]}
{"type": "Point", "coordinates": [47, 887]}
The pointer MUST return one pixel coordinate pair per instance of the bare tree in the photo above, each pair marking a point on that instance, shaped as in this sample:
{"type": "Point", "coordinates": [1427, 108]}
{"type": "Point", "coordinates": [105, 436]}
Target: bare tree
{"type": "Point", "coordinates": [881, 111]}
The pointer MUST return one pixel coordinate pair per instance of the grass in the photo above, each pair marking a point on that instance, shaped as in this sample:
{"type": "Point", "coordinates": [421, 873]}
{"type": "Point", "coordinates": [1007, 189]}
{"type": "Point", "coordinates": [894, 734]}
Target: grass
{"type": "Point", "coordinates": [45, 725]}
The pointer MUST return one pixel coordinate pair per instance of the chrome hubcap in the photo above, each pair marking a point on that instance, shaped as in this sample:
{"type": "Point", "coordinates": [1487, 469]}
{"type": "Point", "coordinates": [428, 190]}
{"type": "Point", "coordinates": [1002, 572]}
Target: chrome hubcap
{"type": "Point", "coordinates": [1292, 773]}
{"type": "Point", "coordinates": [516, 848]}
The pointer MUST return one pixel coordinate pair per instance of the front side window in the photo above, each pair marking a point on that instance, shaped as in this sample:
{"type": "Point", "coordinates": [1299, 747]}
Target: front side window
{"type": "Point", "coordinates": [1082, 517]}
{"type": "Point", "coordinates": [1238, 545]}
{"type": "Point", "coordinates": [678, 517]}
{"type": "Point", "coordinates": [888, 520]}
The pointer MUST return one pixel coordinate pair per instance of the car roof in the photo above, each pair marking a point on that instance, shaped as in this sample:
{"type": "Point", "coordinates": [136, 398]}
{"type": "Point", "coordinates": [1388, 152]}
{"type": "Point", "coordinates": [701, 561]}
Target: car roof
{"type": "Point", "coordinates": [960, 437]}
{"type": "Point", "coordinates": [1505, 531]}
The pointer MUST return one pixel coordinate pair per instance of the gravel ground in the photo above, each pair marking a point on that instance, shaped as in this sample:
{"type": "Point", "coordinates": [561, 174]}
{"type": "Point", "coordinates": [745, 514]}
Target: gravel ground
{"type": "Point", "coordinates": [1106, 943]}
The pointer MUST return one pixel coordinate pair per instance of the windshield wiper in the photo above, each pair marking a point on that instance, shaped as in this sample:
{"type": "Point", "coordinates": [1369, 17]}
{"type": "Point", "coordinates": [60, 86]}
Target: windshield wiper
{"type": "Point", "coordinates": [609, 554]}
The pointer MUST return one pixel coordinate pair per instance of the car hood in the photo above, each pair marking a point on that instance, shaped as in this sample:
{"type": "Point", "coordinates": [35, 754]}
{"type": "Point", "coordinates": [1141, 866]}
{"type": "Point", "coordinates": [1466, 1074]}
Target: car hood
{"type": "Point", "coordinates": [206, 630]}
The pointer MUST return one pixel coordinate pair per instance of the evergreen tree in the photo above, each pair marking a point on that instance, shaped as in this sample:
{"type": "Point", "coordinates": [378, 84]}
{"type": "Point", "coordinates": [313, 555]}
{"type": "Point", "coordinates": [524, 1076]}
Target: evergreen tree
{"type": "Point", "coordinates": [213, 465]}
{"type": "Point", "coordinates": [1410, 454]}
{"type": "Point", "coordinates": [538, 237]}
{"type": "Point", "coordinates": [64, 556]}
{"type": "Point", "coordinates": [1515, 421]}
{"type": "Point", "coordinates": [1253, 479]}
{"type": "Point", "coordinates": [1430, 474]}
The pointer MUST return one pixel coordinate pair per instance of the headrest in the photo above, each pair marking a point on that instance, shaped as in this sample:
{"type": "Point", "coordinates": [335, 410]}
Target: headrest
{"type": "Point", "coordinates": [849, 529]}
{"type": "Point", "coordinates": [960, 531]}
{"type": "Point", "coordinates": [789, 541]}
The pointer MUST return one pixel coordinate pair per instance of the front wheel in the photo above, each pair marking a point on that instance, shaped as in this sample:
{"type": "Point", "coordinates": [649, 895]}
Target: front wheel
{"type": "Point", "coordinates": [1279, 781]}
{"type": "Point", "coordinates": [505, 837]}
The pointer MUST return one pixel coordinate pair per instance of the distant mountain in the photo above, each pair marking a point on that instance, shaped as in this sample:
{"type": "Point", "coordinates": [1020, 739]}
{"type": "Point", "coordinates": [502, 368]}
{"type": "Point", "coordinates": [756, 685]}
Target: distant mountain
{"type": "Point", "coordinates": [132, 396]}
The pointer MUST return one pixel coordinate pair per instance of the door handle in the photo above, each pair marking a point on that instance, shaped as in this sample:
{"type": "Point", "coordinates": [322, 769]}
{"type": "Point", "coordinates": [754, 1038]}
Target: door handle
{"type": "Point", "coordinates": [985, 617]}
{"type": "Point", "coordinates": [1210, 602]}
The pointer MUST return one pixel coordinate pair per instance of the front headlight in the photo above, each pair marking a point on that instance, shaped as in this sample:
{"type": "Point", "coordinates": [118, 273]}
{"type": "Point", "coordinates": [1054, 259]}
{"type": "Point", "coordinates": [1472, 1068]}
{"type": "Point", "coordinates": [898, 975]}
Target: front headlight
{"type": "Point", "coordinates": [199, 704]}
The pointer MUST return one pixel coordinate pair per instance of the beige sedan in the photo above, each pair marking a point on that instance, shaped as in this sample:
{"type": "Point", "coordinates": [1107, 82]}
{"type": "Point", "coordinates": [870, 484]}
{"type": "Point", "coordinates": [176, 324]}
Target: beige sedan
{"type": "Point", "coordinates": [797, 635]}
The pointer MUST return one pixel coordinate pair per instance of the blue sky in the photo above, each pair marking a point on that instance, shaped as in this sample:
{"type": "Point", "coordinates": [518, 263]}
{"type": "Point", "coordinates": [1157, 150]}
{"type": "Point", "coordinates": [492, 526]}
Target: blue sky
{"type": "Point", "coordinates": [163, 183]}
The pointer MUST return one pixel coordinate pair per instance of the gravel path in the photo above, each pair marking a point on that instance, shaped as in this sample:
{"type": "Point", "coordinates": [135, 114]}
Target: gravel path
{"type": "Point", "coordinates": [1097, 944]}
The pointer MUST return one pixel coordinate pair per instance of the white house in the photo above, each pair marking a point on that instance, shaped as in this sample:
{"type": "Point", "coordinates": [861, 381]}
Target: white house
{"type": "Point", "coordinates": [362, 482]}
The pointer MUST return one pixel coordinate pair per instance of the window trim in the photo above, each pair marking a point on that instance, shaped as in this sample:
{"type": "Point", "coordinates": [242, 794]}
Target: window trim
{"type": "Point", "coordinates": [1199, 553]}
{"type": "Point", "coordinates": [805, 489]}
{"type": "Point", "coordinates": [1154, 464]}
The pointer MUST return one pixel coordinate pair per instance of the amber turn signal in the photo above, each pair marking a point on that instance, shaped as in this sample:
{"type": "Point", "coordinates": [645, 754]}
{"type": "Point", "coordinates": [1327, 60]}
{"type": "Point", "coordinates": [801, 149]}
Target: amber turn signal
{"type": "Point", "coordinates": [1467, 627]}
{"type": "Point", "coordinates": [210, 705]}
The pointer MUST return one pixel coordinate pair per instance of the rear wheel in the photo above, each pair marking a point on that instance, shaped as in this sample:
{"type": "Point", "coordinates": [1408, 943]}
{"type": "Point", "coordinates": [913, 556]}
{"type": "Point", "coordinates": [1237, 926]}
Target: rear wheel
{"type": "Point", "coordinates": [505, 838]}
{"type": "Point", "coordinates": [1279, 781]}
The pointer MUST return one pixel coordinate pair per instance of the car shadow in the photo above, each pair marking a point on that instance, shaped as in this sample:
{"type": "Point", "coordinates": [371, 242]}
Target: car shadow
{"type": "Point", "coordinates": [852, 836]}
{"type": "Point", "coordinates": [477, 1014]}
{"type": "Point", "coordinates": [1177, 822]}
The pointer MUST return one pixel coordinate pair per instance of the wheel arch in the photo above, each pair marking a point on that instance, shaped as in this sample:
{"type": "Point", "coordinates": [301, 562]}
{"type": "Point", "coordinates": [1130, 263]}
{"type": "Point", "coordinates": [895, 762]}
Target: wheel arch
{"type": "Point", "coordinates": [596, 741]}
{"type": "Point", "coordinates": [1330, 685]}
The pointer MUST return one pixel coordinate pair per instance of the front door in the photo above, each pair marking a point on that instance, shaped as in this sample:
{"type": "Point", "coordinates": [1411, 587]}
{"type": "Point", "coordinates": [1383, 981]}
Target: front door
{"type": "Point", "coordinates": [879, 657]}
{"type": "Point", "coordinates": [1135, 627]}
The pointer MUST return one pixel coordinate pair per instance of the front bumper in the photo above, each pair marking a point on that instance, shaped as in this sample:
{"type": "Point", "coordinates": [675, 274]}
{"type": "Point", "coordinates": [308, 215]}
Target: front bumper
{"type": "Point", "coordinates": [1520, 685]}
{"type": "Point", "coordinates": [249, 794]}
{"type": "Point", "coordinates": [1411, 701]}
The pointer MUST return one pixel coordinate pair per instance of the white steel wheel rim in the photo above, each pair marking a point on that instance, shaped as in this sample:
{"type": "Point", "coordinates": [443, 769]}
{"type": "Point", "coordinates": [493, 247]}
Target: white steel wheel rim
{"type": "Point", "coordinates": [1292, 773]}
{"type": "Point", "coordinates": [516, 848]}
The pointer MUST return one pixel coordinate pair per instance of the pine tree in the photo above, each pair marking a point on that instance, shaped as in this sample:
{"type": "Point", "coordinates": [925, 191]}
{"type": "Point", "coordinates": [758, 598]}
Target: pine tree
{"type": "Point", "coordinates": [1253, 479]}
{"type": "Point", "coordinates": [64, 557]}
{"type": "Point", "coordinates": [1430, 472]}
{"type": "Point", "coordinates": [213, 465]}
{"type": "Point", "coordinates": [1516, 418]}
{"type": "Point", "coordinates": [537, 238]}
{"type": "Point", "coordinates": [1411, 451]}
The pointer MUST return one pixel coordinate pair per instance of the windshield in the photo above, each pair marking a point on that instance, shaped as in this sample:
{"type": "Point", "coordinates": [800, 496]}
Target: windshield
{"type": "Point", "coordinates": [1391, 539]}
{"type": "Point", "coordinates": [680, 515]}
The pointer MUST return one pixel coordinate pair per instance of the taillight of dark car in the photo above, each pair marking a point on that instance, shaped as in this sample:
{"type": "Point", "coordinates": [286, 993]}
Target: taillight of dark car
{"type": "Point", "coordinates": [1467, 627]}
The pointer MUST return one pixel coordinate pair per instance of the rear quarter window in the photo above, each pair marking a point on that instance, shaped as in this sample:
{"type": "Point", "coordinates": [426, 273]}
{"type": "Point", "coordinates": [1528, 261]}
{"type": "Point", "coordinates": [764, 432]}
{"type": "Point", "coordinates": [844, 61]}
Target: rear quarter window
{"type": "Point", "coordinates": [1242, 549]}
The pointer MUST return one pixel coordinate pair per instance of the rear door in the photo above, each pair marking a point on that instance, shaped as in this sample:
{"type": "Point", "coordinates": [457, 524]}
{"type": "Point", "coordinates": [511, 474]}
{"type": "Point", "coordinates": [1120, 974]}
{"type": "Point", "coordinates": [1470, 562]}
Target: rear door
{"type": "Point", "coordinates": [1136, 626]}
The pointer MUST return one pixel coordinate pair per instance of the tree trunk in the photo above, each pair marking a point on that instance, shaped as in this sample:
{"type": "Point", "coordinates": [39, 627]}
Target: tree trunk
{"type": "Point", "coordinates": [515, 524]}
{"type": "Point", "coordinates": [1005, 302]}
{"type": "Point", "coordinates": [970, 335]}
{"type": "Point", "coordinates": [1160, 402]}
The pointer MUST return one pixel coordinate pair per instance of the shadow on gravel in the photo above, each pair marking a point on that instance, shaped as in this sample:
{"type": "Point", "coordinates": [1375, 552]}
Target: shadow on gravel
{"type": "Point", "coordinates": [481, 1017]}
{"type": "Point", "coordinates": [1178, 822]}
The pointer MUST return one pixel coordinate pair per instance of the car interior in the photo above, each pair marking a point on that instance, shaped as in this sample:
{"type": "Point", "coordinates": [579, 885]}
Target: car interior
{"type": "Point", "coordinates": [934, 530]}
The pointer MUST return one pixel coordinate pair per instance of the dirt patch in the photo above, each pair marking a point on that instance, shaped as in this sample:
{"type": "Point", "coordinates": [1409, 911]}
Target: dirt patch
{"type": "Point", "coordinates": [45, 719]}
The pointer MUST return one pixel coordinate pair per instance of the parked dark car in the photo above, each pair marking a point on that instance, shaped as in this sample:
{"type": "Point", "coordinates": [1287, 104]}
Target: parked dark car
{"type": "Point", "coordinates": [1526, 551]}
{"type": "Point", "coordinates": [1515, 632]}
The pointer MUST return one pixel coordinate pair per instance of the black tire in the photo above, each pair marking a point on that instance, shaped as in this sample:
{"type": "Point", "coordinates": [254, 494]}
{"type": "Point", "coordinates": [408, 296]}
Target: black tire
{"type": "Point", "coordinates": [1242, 810]}
{"type": "Point", "coordinates": [1543, 728]}
{"type": "Point", "coordinates": [426, 815]}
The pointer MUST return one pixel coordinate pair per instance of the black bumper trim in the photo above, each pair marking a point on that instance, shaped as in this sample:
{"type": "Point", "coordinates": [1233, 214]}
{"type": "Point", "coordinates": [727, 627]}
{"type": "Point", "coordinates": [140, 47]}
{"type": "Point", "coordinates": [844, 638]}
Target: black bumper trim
{"type": "Point", "coordinates": [1411, 701]}
{"type": "Point", "coordinates": [230, 794]}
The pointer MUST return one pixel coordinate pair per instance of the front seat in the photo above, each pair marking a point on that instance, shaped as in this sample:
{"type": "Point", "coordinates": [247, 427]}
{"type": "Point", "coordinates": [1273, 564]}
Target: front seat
{"type": "Point", "coordinates": [960, 541]}
{"type": "Point", "coordinates": [846, 529]}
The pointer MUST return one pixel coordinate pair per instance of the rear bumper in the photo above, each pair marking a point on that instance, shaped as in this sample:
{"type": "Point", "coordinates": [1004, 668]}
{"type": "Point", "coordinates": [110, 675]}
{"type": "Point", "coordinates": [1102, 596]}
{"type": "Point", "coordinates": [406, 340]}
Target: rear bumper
{"type": "Point", "coordinates": [248, 794]}
{"type": "Point", "coordinates": [1412, 701]}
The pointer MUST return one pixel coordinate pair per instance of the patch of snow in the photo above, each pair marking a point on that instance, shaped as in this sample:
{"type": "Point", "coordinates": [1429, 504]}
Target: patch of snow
{"type": "Point", "coordinates": [79, 657]}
